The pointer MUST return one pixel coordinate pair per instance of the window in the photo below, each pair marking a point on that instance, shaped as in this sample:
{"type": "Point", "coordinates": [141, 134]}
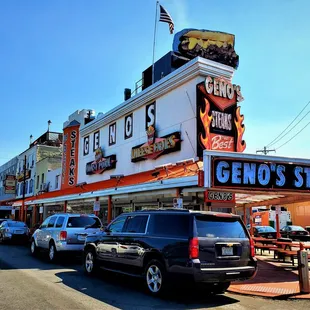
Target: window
{"type": "Point", "coordinates": [136, 224]}
{"type": "Point", "coordinates": [171, 225]}
{"type": "Point", "coordinates": [44, 224]}
{"type": "Point", "coordinates": [31, 186]}
{"type": "Point", "coordinates": [16, 224]}
{"type": "Point", "coordinates": [57, 181]}
{"type": "Point", "coordinates": [211, 227]}
{"type": "Point", "coordinates": [117, 225]}
{"type": "Point", "coordinates": [38, 181]}
{"type": "Point", "coordinates": [52, 221]}
{"type": "Point", "coordinates": [42, 178]}
{"type": "Point", "coordinates": [60, 221]}
{"type": "Point", "coordinates": [83, 221]}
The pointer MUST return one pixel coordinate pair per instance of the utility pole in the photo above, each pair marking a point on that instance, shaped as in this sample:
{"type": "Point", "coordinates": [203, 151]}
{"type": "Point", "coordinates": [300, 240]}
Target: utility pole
{"type": "Point", "coordinates": [24, 216]}
{"type": "Point", "coordinates": [265, 151]}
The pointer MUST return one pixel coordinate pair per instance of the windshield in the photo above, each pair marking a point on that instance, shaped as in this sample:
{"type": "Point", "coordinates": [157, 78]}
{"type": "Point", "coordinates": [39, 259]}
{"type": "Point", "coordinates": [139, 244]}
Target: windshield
{"type": "Point", "coordinates": [212, 227]}
{"type": "Point", "coordinates": [262, 229]}
{"type": "Point", "coordinates": [16, 224]}
{"type": "Point", "coordinates": [83, 221]}
{"type": "Point", "coordinates": [296, 228]}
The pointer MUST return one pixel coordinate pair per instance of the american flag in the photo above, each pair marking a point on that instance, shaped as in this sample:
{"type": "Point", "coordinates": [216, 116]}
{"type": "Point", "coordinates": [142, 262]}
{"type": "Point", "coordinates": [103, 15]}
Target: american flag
{"type": "Point", "coordinates": [166, 18]}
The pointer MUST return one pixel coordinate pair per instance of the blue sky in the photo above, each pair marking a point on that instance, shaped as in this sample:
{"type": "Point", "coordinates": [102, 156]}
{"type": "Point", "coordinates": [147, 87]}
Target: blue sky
{"type": "Point", "coordinates": [60, 56]}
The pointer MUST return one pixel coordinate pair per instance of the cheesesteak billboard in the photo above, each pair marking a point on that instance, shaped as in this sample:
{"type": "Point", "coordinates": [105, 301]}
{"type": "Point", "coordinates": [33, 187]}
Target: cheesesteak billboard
{"type": "Point", "coordinates": [219, 122]}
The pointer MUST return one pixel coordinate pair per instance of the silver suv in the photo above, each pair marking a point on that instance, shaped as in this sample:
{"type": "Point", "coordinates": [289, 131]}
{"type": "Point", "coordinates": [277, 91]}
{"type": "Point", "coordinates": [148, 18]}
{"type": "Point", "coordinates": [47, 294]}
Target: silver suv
{"type": "Point", "coordinates": [64, 232]}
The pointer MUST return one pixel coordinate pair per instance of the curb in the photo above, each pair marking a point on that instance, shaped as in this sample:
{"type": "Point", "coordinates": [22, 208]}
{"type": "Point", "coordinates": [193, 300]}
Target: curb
{"type": "Point", "coordinates": [294, 296]}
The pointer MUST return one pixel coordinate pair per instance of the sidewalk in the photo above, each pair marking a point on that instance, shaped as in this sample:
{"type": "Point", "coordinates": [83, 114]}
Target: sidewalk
{"type": "Point", "coordinates": [274, 279]}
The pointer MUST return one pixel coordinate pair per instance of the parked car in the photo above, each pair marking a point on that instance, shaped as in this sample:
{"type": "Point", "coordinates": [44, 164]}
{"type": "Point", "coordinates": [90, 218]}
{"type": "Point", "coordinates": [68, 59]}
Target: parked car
{"type": "Point", "coordinates": [295, 233]}
{"type": "Point", "coordinates": [158, 245]}
{"type": "Point", "coordinates": [3, 220]}
{"type": "Point", "coordinates": [14, 231]}
{"type": "Point", "coordinates": [265, 232]}
{"type": "Point", "coordinates": [64, 232]}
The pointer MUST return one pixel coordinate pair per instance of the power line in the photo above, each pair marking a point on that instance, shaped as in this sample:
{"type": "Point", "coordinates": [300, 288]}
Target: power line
{"type": "Point", "coordinates": [272, 142]}
{"type": "Point", "coordinates": [265, 151]}
{"type": "Point", "coordinates": [291, 129]}
{"type": "Point", "coordinates": [294, 136]}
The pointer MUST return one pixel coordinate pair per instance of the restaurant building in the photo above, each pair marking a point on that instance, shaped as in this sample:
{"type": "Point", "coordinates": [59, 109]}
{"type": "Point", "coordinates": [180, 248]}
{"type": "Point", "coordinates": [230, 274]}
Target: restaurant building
{"type": "Point", "coordinates": [148, 151]}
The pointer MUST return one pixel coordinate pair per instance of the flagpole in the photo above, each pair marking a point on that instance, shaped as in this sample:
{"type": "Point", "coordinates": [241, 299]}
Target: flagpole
{"type": "Point", "coordinates": [154, 43]}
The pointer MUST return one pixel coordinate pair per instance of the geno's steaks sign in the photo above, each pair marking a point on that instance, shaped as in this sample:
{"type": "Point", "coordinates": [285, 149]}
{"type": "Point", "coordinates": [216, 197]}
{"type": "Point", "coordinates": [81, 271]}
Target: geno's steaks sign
{"type": "Point", "coordinates": [239, 173]}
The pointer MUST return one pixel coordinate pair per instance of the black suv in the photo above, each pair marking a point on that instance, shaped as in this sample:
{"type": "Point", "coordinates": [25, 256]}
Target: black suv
{"type": "Point", "coordinates": [207, 247]}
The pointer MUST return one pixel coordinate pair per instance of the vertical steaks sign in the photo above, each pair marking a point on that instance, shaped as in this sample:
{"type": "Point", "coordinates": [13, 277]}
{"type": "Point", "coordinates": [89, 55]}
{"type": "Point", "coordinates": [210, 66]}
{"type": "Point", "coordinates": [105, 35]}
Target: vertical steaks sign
{"type": "Point", "coordinates": [70, 155]}
{"type": "Point", "coordinates": [219, 122]}
{"type": "Point", "coordinates": [251, 174]}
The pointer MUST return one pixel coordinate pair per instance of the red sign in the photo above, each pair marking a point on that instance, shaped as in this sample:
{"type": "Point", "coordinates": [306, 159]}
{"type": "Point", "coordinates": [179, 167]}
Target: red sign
{"type": "Point", "coordinates": [222, 143]}
{"type": "Point", "coordinates": [70, 156]}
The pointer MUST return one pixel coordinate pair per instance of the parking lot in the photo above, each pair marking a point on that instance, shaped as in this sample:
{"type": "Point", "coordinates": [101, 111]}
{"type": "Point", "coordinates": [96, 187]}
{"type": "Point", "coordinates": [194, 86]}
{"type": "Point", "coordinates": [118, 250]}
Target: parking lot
{"type": "Point", "coordinates": [28, 282]}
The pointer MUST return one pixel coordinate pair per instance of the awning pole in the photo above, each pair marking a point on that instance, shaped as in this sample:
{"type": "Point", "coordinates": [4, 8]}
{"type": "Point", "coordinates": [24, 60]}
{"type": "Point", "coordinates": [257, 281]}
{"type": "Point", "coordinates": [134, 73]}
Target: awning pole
{"type": "Point", "coordinates": [109, 209]}
{"type": "Point", "coordinates": [251, 222]}
{"type": "Point", "coordinates": [244, 215]}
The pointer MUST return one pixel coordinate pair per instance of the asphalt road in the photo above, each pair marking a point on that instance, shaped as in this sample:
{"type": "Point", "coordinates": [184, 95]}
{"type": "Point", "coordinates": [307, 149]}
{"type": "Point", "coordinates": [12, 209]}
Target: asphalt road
{"type": "Point", "coordinates": [34, 283]}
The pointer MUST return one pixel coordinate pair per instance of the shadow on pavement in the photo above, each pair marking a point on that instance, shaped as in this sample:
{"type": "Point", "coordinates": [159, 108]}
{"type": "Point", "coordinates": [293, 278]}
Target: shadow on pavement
{"type": "Point", "coordinates": [127, 293]}
{"type": "Point", "coordinates": [116, 290]}
{"type": "Point", "coordinates": [270, 273]}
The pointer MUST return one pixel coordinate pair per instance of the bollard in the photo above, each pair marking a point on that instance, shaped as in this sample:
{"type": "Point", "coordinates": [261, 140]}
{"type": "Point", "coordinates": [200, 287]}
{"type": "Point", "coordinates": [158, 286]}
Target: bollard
{"type": "Point", "coordinates": [303, 270]}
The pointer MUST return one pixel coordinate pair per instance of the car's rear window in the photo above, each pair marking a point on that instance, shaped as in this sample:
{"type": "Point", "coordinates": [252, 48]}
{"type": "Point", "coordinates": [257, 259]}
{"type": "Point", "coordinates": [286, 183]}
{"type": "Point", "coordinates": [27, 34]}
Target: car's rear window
{"type": "Point", "coordinates": [171, 225]}
{"type": "Point", "coordinates": [83, 221]}
{"type": "Point", "coordinates": [263, 229]}
{"type": "Point", "coordinates": [213, 227]}
{"type": "Point", "coordinates": [16, 224]}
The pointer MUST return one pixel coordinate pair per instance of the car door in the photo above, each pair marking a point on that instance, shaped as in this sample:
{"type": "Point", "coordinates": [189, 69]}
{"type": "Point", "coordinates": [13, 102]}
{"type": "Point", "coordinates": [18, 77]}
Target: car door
{"type": "Point", "coordinates": [47, 232]}
{"type": "Point", "coordinates": [107, 246]}
{"type": "Point", "coordinates": [132, 241]}
{"type": "Point", "coordinates": [40, 232]}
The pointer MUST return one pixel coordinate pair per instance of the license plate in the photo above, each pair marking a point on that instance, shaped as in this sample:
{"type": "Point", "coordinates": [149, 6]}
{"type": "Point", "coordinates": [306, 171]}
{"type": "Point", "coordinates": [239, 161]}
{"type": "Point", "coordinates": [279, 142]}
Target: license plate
{"type": "Point", "coordinates": [81, 238]}
{"type": "Point", "coordinates": [18, 232]}
{"type": "Point", "coordinates": [227, 251]}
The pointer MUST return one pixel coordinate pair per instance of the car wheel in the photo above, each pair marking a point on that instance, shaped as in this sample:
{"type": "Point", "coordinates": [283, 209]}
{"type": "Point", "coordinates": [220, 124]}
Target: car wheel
{"type": "Point", "coordinates": [90, 264]}
{"type": "Point", "coordinates": [52, 252]}
{"type": "Point", "coordinates": [33, 248]}
{"type": "Point", "coordinates": [220, 288]}
{"type": "Point", "coordinates": [155, 277]}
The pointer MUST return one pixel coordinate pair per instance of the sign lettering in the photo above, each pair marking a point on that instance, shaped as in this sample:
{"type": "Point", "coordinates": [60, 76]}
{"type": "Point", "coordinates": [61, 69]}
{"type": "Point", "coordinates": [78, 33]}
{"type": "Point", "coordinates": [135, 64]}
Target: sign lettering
{"type": "Point", "coordinates": [257, 175]}
{"type": "Point", "coordinates": [128, 126]}
{"type": "Point", "coordinates": [150, 118]}
{"type": "Point", "coordinates": [112, 134]}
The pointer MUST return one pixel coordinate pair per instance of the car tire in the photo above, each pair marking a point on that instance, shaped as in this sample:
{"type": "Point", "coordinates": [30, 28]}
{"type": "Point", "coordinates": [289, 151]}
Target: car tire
{"type": "Point", "coordinates": [33, 248]}
{"type": "Point", "coordinates": [155, 278]}
{"type": "Point", "coordinates": [89, 262]}
{"type": "Point", "coordinates": [52, 252]}
{"type": "Point", "coordinates": [220, 288]}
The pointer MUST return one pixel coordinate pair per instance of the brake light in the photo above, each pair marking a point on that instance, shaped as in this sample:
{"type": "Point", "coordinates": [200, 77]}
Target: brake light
{"type": "Point", "coordinates": [252, 249]}
{"type": "Point", "coordinates": [193, 248]}
{"type": "Point", "coordinates": [63, 235]}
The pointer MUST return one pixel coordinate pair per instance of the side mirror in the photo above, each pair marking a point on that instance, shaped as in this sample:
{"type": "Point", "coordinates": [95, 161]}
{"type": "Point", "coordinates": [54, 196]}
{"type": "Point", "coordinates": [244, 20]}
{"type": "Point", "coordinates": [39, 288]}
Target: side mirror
{"type": "Point", "coordinates": [106, 229]}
